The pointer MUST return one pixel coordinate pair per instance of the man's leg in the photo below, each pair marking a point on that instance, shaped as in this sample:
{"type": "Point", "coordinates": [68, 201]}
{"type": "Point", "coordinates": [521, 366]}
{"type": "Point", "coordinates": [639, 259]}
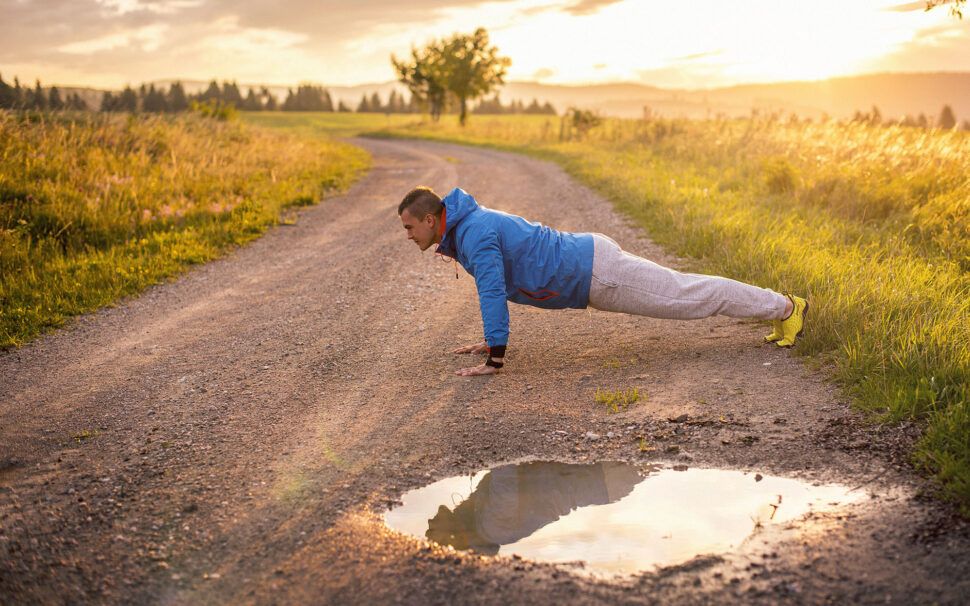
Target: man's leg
{"type": "Point", "coordinates": [626, 283]}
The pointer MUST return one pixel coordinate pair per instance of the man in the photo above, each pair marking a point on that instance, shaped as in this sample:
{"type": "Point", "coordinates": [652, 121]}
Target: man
{"type": "Point", "coordinates": [514, 260]}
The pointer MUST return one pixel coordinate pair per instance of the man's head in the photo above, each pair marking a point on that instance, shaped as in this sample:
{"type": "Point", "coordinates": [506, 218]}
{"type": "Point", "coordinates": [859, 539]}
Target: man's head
{"type": "Point", "coordinates": [420, 212]}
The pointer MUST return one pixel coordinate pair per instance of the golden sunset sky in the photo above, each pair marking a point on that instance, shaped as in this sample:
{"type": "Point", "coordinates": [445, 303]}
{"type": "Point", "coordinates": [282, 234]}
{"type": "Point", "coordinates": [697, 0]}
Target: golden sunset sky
{"type": "Point", "coordinates": [686, 44]}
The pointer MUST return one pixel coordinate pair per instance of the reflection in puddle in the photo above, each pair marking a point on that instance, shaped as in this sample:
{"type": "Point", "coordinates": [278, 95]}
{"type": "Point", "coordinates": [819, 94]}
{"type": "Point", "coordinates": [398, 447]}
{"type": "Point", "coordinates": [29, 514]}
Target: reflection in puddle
{"type": "Point", "coordinates": [617, 517]}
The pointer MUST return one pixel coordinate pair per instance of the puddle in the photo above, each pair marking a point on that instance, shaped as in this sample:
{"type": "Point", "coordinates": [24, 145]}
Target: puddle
{"type": "Point", "coordinates": [617, 517]}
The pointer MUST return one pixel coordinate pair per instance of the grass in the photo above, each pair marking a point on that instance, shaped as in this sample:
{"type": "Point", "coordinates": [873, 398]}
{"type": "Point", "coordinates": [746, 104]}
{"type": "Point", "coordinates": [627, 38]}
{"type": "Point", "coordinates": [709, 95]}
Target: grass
{"type": "Point", "coordinates": [617, 400]}
{"type": "Point", "coordinates": [95, 207]}
{"type": "Point", "coordinates": [872, 223]}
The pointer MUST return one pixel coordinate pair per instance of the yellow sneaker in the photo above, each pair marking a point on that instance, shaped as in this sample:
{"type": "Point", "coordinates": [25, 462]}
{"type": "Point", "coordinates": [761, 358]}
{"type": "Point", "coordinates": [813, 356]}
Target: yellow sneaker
{"type": "Point", "coordinates": [777, 332]}
{"type": "Point", "coordinates": [793, 325]}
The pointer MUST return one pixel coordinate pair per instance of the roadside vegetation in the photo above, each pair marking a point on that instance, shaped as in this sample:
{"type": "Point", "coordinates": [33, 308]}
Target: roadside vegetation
{"type": "Point", "coordinates": [94, 207]}
{"type": "Point", "coordinates": [871, 222]}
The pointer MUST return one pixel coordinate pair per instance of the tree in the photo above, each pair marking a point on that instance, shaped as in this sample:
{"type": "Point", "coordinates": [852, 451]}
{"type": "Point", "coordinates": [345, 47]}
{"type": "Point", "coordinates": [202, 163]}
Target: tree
{"type": "Point", "coordinates": [956, 6]}
{"type": "Point", "coordinates": [424, 76]}
{"type": "Point", "coordinates": [177, 100]}
{"type": "Point", "coordinates": [251, 102]}
{"type": "Point", "coordinates": [364, 106]}
{"type": "Point", "coordinates": [37, 98]}
{"type": "Point", "coordinates": [231, 94]}
{"type": "Point", "coordinates": [6, 95]}
{"type": "Point", "coordinates": [212, 93]}
{"type": "Point", "coordinates": [472, 68]}
{"type": "Point", "coordinates": [108, 102]}
{"type": "Point", "coordinates": [342, 107]}
{"type": "Point", "coordinates": [947, 119]}
{"type": "Point", "coordinates": [269, 103]}
{"type": "Point", "coordinates": [76, 103]}
{"type": "Point", "coordinates": [127, 101]}
{"type": "Point", "coordinates": [54, 100]}
{"type": "Point", "coordinates": [154, 101]}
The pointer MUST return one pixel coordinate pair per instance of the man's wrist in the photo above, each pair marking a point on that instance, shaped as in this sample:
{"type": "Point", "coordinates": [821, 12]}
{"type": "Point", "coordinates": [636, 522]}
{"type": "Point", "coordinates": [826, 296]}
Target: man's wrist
{"type": "Point", "coordinates": [496, 356]}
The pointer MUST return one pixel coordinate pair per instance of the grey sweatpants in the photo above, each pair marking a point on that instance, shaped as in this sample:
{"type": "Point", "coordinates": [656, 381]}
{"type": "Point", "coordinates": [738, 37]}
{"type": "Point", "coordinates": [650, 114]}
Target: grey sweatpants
{"type": "Point", "coordinates": [631, 284]}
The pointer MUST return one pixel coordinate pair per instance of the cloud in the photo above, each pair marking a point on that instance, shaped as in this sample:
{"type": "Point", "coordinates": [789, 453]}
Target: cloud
{"type": "Point", "coordinates": [696, 56]}
{"type": "Point", "coordinates": [148, 38]}
{"type": "Point", "coordinates": [588, 7]}
{"type": "Point", "coordinates": [907, 7]}
{"type": "Point", "coordinates": [543, 72]}
{"type": "Point", "coordinates": [167, 7]}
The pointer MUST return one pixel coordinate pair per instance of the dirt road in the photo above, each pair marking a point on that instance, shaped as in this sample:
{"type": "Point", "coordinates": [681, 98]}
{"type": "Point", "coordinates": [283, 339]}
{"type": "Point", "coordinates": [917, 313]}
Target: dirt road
{"type": "Point", "coordinates": [234, 436]}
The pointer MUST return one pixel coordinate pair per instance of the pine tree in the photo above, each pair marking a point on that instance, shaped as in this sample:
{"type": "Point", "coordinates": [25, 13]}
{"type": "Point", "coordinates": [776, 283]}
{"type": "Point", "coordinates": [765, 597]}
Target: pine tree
{"type": "Point", "coordinates": [251, 103]}
{"type": "Point", "coordinates": [212, 93]}
{"type": "Point", "coordinates": [6, 94]}
{"type": "Point", "coordinates": [177, 100]}
{"type": "Point", "coordinates": [76, 103]}
{"type": "Point", "coordinates": [108, 102]}
{"type": "Point", "coordinates": [127, 101]}
{"type": "Point", "coordinates": [375, 103]}
{"type": "Point", "coordinates": [154, 101]}
{"type": "Point", "coordinates": [342, 107]}
{"type": "Point", "coordinates": [270, 100]}
{"type": "Point", "coordinates": [54, 101]}
{"type": "Point", "coordinates": [947, 119]}
{"type": "Point", "coordinates": [18, 94]}
{"type": "Point", "coordinates": [231, 94]}
{"type": "Point", "coordinates": [37, 98]}
{"type": "Point", "coordinates": [364, 106]}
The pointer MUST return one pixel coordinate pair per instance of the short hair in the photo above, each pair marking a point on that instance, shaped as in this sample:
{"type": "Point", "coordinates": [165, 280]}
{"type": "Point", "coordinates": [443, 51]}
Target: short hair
{"type": "Point", "coordinates": [421, 202]}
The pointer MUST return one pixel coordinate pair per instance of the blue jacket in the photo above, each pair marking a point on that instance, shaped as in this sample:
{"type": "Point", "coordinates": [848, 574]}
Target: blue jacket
{"type": "Point", "coordinates": [515, 260]}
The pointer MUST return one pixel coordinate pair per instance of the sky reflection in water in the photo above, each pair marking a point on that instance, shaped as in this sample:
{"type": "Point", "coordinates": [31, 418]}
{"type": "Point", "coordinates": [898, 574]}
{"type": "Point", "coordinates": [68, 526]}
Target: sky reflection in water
{"type": "Point", "coordinates": [617, 517]}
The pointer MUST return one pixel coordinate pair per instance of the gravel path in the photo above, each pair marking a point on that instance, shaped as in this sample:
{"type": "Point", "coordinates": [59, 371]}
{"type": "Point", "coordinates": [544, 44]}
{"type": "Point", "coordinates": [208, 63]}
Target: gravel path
{"type": "Point", "coordinates": [235, 435]}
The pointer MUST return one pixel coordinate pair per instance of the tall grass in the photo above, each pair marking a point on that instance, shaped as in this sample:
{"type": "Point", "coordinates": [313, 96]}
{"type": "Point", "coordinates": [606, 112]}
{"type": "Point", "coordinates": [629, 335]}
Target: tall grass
{"type": "Point", "coordinates": [95, 207]}
{"type": "Point", "coordinates": [872, 223]}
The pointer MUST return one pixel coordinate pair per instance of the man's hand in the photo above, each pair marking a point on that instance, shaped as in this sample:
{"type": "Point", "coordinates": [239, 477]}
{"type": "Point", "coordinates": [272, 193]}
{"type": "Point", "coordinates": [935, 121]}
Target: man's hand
{"type": "Point", "coordinates": [477, 348]}
{"type": "Point", "coordinates": [473, 371]}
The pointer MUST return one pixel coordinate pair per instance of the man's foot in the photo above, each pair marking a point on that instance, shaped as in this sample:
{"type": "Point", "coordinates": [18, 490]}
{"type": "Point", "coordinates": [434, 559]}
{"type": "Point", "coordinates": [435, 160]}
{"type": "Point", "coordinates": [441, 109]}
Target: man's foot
{"type": "Point", "coordinates": [777, 332]}
{"type": "Point", "coordinates": [792, 326]}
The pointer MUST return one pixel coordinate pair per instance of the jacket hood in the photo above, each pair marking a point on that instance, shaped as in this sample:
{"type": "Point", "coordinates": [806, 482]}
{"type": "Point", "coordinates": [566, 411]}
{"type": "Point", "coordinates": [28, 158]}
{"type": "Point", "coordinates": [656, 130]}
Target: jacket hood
{"type": "Point", "coordinates": [458, 205]}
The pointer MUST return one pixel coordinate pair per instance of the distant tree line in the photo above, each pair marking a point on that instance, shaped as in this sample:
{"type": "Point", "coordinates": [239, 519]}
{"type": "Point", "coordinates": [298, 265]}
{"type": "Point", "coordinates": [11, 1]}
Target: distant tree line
{"type": "Point", "coordinates": [494, 106]}
{"type": "Point", "coordinates": [947, 119]}
{"type": "Point", "coordinates": [37, 98]}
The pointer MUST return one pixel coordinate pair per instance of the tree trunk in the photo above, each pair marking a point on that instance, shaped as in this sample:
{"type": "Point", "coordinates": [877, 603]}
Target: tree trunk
{"type": "Point", "coordinates": [464, 111]}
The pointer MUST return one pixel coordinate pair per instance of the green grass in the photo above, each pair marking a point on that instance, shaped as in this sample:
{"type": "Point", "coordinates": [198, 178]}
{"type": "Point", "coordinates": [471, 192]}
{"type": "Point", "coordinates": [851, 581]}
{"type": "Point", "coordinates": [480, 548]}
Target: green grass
{"type": "Point", "coordinates": [616, 400]}
{"type": "Point", "coordinates": [872, 223]}
{"type": "Point", "coordinates": [95, 207]}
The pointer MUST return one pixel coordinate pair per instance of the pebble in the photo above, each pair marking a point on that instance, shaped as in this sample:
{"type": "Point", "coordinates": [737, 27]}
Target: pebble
{"type": "Point", "coordinates": [589, 435]}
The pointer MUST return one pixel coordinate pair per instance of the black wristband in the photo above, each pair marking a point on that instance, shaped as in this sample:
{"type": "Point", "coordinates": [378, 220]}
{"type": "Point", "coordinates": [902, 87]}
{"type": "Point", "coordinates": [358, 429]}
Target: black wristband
{"type": "Point", "coordinates": [497, 351]}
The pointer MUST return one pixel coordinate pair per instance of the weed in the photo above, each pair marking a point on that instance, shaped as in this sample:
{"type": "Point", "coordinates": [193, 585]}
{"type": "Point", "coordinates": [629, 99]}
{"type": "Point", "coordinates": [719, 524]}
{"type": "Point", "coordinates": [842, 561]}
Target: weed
{"type": "Point", "coordinates": [618, 400]}
{"type": "Point", "coordinates": [84, 435]}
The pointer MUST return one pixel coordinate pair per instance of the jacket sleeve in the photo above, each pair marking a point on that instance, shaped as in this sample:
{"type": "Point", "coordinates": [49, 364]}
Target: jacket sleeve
{"type": "Point", "coordinates": [485, 258]}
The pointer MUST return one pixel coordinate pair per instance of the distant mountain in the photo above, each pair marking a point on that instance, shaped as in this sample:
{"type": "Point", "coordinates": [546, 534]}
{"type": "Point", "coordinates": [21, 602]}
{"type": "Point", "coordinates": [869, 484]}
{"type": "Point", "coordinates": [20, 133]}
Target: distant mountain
{"type": "Point", "coordinates": [896, 95]}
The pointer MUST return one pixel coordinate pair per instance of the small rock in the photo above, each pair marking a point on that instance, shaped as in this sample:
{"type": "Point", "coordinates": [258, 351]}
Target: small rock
{"type": "Point", "coordinates": [589, 435]}
{"type": "Point", "coordinates": [610, 434]}
{"type": "Point", "coordinates": [758, 477]}
{"type": "Point", "coordinates": [681, 419]}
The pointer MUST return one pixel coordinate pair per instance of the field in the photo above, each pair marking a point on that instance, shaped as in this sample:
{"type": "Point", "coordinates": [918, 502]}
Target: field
{"type": "Point", "coordinates": [94, 207]}
{"type": "Point", "coordinates": [872, 223]}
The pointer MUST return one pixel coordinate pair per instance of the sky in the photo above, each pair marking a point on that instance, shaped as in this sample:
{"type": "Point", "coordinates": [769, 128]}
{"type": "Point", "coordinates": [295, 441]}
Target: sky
{"type": "Point", "coordinates": [689, 44]}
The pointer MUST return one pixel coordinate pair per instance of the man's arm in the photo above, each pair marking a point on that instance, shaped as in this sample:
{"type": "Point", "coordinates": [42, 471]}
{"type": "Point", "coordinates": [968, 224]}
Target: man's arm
{"type": "Point", "coordinates": [485, 261]}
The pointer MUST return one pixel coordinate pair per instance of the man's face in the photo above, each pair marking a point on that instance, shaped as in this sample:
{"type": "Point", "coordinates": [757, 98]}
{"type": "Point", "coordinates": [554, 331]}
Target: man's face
{"type": "Point", "coordinates": [423, 231]}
